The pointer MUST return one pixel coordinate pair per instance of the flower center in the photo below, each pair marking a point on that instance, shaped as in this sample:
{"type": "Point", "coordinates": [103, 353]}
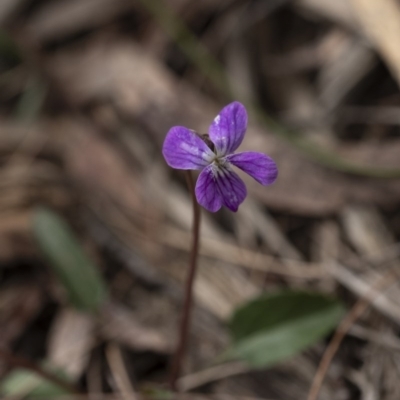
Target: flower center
{"type": "Point", "coordinates": [219, 161]}
{"type": "Point", "coordinates": [220, 166]}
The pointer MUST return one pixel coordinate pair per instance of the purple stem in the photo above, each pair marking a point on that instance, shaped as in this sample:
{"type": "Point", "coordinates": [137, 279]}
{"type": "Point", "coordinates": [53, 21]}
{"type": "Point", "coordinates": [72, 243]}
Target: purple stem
{"type": "Point", "coordinates": [177, 360]}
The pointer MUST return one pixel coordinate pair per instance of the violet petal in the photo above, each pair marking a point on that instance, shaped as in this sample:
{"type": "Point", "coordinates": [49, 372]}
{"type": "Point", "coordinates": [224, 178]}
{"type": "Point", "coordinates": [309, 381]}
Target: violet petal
{"type": "Point", "coordinates": [258, 165]}
{"type": "Point", "coordinates": [228, 128]}
{"type": "Point", "coordinates": [183, 149]}
{"type": "Point", "coordinates": [206, 190]}
{"type": "Point", "coordinates": [231, 188]}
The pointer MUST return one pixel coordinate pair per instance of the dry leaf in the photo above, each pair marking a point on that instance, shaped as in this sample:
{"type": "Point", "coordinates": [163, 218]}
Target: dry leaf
{"type": "Point", "coordinates": [70, 342]}
{"type": "Point", "coordinates": [380, 21]}
{"type": "Point", "coordinates": [118, 324]}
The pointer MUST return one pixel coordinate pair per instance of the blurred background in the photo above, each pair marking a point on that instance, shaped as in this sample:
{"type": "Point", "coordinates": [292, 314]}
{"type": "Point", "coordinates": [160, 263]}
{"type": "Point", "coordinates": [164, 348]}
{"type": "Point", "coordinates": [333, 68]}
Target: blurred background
{"type": "Point", "coordinates": [95, 228]}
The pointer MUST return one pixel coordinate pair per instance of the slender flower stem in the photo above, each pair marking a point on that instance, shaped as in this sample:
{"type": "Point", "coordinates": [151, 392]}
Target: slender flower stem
{"type": "Point", "coordinates": [177, 360]}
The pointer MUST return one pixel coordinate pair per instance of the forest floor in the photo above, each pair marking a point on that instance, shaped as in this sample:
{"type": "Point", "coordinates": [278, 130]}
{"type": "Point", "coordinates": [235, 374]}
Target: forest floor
{"type": "Point", "coordinates": [89, 89]}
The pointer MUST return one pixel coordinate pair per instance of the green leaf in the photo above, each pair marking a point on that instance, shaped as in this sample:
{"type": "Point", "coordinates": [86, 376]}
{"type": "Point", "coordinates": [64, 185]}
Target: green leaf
{"type": "Point", "coordinates": [9, 49]}
{"type": "Point", "coordinates": [80, 277]}
{"type": "Point", "coordinates": [157, 393]}
{"type": "Point", "coordinates": [274, 327]}
{"type": "Point", "coordinates": [31, 101]}
{"type": "Point", "coordinates": [23, 383]}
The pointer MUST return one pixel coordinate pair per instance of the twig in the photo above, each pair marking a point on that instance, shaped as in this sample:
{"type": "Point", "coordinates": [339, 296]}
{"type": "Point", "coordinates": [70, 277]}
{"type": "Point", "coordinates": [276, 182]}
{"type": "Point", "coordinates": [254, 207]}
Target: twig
{"type": "Point", "coordinates": [389, 341]}
{"type": "Point", "coordinates": [357, 310]}
{"type": "Point", "coordinates": [118, 370]}
{"type": "Point", "coordinates": [21, 362]}
{"type": "Point", "coordinates": [246, 258]}
{"type": "Point", "coordinates": [361, 288]}
{"type": "Point", "coordinates": [176, 364]}
{"type": "Point", "coordinates": [154, 396]}
{"type": "Point", "coordinates": [192, 381]}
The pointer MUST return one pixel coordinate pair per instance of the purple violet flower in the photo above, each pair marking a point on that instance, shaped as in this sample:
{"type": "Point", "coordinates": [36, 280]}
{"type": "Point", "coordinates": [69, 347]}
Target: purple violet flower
{"type": "Point", "coordinates": [218, 184]}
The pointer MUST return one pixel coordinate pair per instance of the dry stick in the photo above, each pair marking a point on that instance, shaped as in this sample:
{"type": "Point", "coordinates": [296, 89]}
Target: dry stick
{"type": "Point", "coordinates": [119, 372]}
{"type": "Point", "coordinates": [357, 310]}
{"type": "Point", "coordinates": [153, 396]}
{"type": "Point", "coordinates": [20, 362]}
{"type": "Point", "coordinates": [187, 307]}
{"type": "Point", "coordinates": [212, 374]}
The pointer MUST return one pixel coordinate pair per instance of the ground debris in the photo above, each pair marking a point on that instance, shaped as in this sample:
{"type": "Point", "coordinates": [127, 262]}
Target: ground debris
{"type": "Point", "coordinates": [89, 89]}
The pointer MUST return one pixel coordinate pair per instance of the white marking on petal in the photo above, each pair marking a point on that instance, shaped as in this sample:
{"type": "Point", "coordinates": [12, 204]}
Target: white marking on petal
{"type": "Point", "coordinates": [215, 169]}
{"type": "Point", "coordinates": [189, 148]}
{"type": "Point", "coordinates": [194, 150]}
{"type": "Point", "coordinates": [208, 157]}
